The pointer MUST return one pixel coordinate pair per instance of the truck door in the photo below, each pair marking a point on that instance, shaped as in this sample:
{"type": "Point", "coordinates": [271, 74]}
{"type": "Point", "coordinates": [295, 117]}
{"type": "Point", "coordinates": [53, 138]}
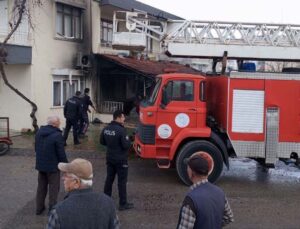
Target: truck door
{"type": "Point", "coordinates": [180, 111]}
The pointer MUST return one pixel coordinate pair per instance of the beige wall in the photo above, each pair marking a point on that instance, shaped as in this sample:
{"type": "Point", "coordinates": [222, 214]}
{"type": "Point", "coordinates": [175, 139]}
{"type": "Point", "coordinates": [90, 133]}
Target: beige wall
{"type": "Point", "coordinates": [48, 53]}
{"type": "Point", "coordinates": [12, 105]}
{"type": "Point", "coordinates": [35, 80]}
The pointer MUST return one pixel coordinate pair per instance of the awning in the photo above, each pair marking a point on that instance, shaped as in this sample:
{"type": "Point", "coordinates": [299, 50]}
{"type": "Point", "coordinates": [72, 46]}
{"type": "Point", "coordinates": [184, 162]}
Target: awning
{"type": "Point", "coordinates": [147, 67]}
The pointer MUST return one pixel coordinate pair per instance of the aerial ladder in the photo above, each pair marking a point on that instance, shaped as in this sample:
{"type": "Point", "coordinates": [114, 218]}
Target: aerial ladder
{"type": "Point", "coordinates": [207, 39]}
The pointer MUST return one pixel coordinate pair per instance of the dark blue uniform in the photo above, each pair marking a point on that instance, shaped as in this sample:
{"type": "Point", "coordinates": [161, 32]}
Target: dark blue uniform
{"type": "Point", "coordinates": [72, 113]}
{"type": "Point", "coordinates": [117, 142]}
{"type": "Point", "coordinates": [84, 121]}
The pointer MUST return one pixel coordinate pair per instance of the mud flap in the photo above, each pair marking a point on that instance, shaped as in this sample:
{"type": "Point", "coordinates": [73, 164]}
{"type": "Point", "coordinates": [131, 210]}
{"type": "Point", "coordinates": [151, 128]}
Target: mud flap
{"type": "Point", "coordinates": [272, 127]}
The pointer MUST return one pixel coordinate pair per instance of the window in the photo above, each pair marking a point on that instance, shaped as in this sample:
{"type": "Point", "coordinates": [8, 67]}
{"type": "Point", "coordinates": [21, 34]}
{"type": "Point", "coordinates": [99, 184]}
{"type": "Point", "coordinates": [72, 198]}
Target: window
{"type": "Point", "coordinates": [68, 21]}
{"type": "Point", "coordinates": [106, 32]}
{"type": "Point", "coordinates": [203, 91]}
{"type": "Point", "coordinates": [4, 17]}
{"type": "Point", "coordinates": [179, 90]}
{"type": "Point", "coordinates": [63, 90]}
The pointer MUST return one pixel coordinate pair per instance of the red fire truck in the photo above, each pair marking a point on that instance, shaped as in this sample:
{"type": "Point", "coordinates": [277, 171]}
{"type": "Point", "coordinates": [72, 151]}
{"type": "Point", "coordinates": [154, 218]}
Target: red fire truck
{"type": "Point", "coordinates": [247, 114]}
{"type": "Point", "coordinates": [232, 113]}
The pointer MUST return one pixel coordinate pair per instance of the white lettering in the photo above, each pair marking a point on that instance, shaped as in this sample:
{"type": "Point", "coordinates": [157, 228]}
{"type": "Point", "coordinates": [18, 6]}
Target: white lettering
{"type": "Point", "coordinates": [110, 132]}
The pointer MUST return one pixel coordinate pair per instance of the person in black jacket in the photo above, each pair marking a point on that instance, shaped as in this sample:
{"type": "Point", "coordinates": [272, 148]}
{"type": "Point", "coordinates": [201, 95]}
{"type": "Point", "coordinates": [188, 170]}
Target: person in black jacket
{"type": "Point", "coordinates": [114, 137]}
{"type": "Point", "coordinates": [49, 149]}
{"type": "Point", "coordinates": [73, 113]}
{"type": "Point", "coordinates": [84, 121]}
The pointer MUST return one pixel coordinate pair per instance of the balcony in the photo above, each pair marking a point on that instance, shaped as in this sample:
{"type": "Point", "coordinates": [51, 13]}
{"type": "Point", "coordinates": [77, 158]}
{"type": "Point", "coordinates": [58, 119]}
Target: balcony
{"type": "Point", "coordinates": [18, 47]}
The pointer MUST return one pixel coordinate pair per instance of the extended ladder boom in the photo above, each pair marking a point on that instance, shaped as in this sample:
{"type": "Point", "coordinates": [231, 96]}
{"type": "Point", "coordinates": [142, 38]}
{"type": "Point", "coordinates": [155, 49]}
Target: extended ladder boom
{"type": "Point", "coordinates": [210, 39]}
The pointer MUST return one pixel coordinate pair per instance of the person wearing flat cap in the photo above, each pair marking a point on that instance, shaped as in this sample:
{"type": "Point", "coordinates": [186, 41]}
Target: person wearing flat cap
{"type": "Point", "coordinates": [82, 208]}
{"type": "Point", "coordinates": [205, 206]}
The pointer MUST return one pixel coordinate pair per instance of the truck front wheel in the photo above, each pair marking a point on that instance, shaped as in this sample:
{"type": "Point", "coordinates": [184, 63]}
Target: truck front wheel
{"type": "Point", "coordinates": [194, 147]}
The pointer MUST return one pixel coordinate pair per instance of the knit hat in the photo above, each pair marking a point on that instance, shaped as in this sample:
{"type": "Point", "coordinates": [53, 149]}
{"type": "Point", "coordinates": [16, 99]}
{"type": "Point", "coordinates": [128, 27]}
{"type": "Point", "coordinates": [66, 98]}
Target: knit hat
{"type": "Point", "coordinates": [79, 167]}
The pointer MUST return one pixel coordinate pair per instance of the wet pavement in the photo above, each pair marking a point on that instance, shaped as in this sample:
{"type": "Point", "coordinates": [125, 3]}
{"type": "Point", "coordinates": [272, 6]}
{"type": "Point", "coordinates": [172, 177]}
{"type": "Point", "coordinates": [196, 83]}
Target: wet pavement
{"type": "Point", "coordinates": [260, 198]}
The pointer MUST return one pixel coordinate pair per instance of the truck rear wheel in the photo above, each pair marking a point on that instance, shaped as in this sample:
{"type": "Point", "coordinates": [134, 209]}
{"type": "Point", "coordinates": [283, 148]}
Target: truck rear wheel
{"type": "Point", "coordinates": [194, 147]}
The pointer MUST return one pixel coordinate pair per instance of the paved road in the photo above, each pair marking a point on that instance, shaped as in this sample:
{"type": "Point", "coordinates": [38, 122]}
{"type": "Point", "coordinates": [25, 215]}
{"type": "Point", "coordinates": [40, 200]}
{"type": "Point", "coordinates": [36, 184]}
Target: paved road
{"type": "Point", "coordinates": [259, 198]}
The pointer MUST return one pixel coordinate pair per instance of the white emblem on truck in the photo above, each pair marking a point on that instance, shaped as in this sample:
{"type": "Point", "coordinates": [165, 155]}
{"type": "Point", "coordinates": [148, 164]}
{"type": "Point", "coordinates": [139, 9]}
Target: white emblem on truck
{"type": "Point", "coordinates": [182, 120]}
{"type": "Point", "coordinates": [164, 131]}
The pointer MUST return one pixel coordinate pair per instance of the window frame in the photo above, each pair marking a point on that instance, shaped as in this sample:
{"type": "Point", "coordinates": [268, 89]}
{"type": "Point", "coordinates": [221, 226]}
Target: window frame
{"type": "Point", "coordinates": [180, 81]}
{"type": "Point", "coordinates": [74, 13]}
{"type": "Point", "coordinates": [61, 79]}
{"type": "Point", "coordinates": [106, 43]}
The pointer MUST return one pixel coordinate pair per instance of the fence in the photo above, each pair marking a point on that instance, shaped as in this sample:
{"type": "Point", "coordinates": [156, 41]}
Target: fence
{"type": "Point", "coordinates": [4, 127]}
{"type": "Point", "coordinates": [111, 106]}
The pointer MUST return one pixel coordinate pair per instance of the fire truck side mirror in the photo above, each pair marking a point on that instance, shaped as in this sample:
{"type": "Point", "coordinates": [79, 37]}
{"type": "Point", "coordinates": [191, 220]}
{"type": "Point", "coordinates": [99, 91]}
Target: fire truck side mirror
{"type": "Point", "coordinates": [164, 99]}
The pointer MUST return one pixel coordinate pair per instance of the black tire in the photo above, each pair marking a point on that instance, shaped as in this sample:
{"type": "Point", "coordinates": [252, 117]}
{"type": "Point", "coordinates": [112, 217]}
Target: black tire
{"type": "Point", "coordinates": [4, 148]}
{"type": "Point", "coordinates": [193, 147]}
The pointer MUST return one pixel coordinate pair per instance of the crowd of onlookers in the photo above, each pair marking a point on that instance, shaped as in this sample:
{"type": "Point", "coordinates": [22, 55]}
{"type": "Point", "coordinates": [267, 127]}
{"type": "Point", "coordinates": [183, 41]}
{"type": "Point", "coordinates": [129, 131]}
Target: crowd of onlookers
{"type": "Point", "coordinates": [205, 205]}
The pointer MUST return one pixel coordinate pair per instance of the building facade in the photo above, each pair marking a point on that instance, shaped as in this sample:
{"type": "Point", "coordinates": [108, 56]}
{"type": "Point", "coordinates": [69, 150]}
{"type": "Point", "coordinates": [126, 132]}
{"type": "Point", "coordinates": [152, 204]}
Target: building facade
{"type": "Point", "coordinates": [66, 49]}
{"type": "Point", "coordinates": [42, 60]}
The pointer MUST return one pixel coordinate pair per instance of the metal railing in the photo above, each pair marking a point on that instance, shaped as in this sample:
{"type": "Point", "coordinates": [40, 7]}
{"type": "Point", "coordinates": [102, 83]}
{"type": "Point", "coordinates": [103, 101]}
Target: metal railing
{"type": "Point", "coordinates": [111, 106]}
{"type": "Point", "coordinates": [4, 127]}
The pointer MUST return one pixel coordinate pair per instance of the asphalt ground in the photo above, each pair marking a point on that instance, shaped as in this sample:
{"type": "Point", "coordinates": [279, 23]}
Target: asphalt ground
{"type": "Point", "coordinates": [259, 198]}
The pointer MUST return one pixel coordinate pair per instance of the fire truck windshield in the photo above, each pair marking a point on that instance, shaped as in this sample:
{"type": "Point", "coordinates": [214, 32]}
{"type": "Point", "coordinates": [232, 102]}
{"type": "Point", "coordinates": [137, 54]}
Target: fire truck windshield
{"type": "Point", "coordinates": [154, 93]}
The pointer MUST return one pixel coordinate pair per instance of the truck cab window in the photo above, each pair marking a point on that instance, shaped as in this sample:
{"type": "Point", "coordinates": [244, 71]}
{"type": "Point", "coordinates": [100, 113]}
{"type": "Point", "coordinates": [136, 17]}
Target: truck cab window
{"type": "Point", "coordinates": [154, 93]}
{"type": "Point", "coordinates": [203, 91]}
{"type": "Point", "coordinates": [180, 90]}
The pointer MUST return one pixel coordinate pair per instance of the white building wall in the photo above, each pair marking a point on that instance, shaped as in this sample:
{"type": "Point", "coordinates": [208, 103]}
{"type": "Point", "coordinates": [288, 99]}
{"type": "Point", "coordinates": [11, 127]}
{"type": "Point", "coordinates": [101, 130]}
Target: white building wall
{"type": "Point", "coordinates": [12, 105]}
{"type": "Point", "coordinates": [36, 80]}
{"type": "Point", "coordinates": [49, 53]}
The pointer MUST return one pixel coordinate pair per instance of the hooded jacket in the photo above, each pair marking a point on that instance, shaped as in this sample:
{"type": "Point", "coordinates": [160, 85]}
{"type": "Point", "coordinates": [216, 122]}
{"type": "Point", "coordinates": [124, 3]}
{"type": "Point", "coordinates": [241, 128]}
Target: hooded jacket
{"type": "Point", "coordinates": [49, 149]}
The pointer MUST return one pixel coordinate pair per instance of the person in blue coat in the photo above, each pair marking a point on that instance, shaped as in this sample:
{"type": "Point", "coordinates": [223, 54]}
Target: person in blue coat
{"type": "Point", "coordinates": [49, 149]}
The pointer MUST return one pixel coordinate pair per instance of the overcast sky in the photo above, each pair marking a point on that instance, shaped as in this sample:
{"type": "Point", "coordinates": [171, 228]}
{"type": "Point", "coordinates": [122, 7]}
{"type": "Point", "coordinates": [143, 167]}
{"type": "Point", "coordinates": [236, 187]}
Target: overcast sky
{"type": "Point", "coordinates": [267, 11]}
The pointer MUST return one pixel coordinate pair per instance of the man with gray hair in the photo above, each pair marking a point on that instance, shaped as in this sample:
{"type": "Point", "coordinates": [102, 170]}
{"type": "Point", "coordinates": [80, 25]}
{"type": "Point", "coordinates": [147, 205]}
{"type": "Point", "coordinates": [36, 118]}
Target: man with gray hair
{"type": "Point", "coordinates": [49, 149]}
{"type": "Point", "coordinates": [82, 208]}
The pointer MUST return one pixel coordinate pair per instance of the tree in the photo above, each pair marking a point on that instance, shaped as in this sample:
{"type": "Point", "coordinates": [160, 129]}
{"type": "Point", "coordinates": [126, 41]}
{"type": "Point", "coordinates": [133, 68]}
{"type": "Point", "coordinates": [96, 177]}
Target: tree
{"type": "Point", "coordinates": [20, 8]}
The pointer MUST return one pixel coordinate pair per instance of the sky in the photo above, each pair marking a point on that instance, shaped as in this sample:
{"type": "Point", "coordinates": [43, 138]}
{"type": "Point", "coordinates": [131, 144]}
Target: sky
{"type": "Point", "coordinates": [264, 11]}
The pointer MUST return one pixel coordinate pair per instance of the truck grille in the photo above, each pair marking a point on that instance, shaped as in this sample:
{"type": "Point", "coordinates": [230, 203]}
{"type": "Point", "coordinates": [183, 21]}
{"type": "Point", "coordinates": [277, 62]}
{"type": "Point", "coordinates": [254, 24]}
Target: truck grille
{"type": "Point", "coordinates": [146, 133]}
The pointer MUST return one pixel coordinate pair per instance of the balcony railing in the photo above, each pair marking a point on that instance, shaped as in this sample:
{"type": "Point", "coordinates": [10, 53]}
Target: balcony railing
{"type": "Point", "coordinates": [111, 106]}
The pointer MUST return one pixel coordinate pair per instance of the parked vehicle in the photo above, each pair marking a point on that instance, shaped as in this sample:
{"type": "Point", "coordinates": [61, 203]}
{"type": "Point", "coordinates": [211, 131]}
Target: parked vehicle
{"type": "Point", "coordinates": [244, 114]}
{"type": "Point", "coordinates": [5, 140]}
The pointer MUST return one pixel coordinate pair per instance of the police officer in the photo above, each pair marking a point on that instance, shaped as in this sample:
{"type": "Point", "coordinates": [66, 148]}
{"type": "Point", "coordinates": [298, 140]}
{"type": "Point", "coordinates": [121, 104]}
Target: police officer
{"type": "Point", "coordinates": [114, 137]}
{"type": "Point", "coordinates": [72, 113]}
{"type": "Point", "coordinates": [84, 121]}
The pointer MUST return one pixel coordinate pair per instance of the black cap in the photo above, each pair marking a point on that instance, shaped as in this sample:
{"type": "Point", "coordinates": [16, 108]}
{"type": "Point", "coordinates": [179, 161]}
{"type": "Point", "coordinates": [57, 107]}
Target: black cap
{"type": "Point", "coordinates": [197, 164]}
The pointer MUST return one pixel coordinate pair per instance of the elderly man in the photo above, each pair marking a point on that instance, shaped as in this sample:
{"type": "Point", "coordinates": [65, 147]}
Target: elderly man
{"type": "Point", "coordinates": [206, 205]}
{"type": "Point", "coordinates": [49, 149]}
{"type": "Point", "coordinates": [82, 208]}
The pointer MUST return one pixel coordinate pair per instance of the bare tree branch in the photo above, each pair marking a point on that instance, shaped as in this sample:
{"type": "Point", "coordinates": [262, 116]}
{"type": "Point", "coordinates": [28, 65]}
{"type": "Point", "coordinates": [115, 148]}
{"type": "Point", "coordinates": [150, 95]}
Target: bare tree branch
{"type": "Point", "coordinates": [19, 9]}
